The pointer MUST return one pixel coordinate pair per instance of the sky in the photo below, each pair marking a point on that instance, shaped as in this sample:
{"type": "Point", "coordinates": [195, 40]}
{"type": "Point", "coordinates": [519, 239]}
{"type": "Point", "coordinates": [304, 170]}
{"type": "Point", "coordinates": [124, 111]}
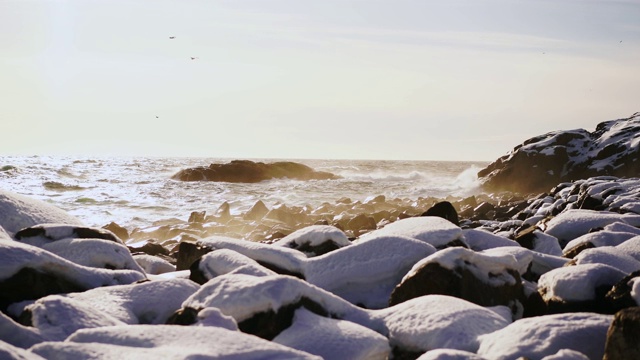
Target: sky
{"type": "Point", "coordinates": [301, 79]}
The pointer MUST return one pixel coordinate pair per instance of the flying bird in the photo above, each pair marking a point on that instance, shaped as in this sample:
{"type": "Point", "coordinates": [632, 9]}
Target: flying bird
{"type": "Point", "coordinates": [172, 37]}
{"type": "Point", "coordinates": [193, 58]}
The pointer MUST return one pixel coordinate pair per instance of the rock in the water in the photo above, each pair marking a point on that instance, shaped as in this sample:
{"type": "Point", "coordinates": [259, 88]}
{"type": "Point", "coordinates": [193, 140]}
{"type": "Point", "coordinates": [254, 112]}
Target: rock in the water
{"type": "Point", "coordinates": [245, 171]}
{"type": "Point", "coordinates": [622, 337]}
{"type": "Point", "coordinates": [541, 162]}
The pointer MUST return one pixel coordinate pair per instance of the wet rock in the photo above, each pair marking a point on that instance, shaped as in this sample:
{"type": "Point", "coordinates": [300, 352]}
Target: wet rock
{"type": "Point", "coordinates": [361, 222]}
{"type": "Point", "coordinates": [445, 210]}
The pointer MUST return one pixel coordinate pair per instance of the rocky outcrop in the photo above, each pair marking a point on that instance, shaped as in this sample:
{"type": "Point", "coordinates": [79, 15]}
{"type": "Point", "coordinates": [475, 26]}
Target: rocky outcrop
{"type": "Point", "coordinates": [543, 161]}
{"type": "Point", "coordinates": [245, 171]}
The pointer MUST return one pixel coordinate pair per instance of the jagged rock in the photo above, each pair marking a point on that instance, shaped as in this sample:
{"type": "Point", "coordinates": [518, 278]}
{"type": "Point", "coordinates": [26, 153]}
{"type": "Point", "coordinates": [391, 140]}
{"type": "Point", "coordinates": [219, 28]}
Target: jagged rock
{"type": "Point", "coordinates": [197, 216]}
{"type": "Point", "coordinates": [445, 210]}
{"type": "Point", "coordinates": [543, 161]}
{"type": "Point", "coordinates": [245, 171]}
{"type": "Point", "coordinates": [118, 230]}
{"type": "Point", "coordinates": [188, 253]}
{"type": "Point", "coordinates": [257, 211]}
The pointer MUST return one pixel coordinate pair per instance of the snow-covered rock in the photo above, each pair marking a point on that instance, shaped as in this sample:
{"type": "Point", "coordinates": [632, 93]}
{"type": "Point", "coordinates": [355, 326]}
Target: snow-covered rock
{"type": "Point", "coordinates": [28, 272]}
{"type": "Point", "coordinates": [573, 223]}
{"type": "Point", "coordinates": [579, 287]}
{"type": "Point", "coordinates": [438, 321]}
{"type": "Point", "coordinates": [366, 272]}
{"type": "Point", "coordinates": [19, 212]}
{"type": "Point", "coordinates": [433, 230]}
{"type": "Point", "coordinates": [537, 337]}
{"type": "Point", "coordinates": [149, 342]}
{"type": "Point", "coordinates": [481, 278]}
{"type": "Point", "coordinates": [541, 162]}
{"type": "Point", "coordinates": [315, 240]}
{"type": "Point", "coordinates": [333, 338]}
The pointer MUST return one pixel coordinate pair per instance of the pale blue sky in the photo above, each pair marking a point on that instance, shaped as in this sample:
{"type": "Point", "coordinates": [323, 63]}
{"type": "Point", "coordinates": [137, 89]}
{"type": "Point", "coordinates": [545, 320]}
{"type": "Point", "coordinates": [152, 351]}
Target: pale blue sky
{"type": "Point", "coordinates": [367, 79]}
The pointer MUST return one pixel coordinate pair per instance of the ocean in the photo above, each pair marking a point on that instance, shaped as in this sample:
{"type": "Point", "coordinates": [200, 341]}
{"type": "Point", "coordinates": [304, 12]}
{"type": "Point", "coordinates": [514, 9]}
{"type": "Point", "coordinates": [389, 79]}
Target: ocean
{"type": "Point", "coordinates": [138, 191]}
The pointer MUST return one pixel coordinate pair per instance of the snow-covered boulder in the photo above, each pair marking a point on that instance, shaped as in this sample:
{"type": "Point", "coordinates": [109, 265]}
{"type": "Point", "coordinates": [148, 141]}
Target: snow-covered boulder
{"type": "Point", "coordinates": [28, 272]}
{"type": "Point", "coordinates": [596, 239]}
{"type": "Point", "coordinates": [438, 321]}
{"type": "Point", "coordinates": [265, 305]}
{"type": "Point", "coordinates": [333, 338]}
{"type": "Point", "coordinates": [96, 253]}
{"type": "Point", "coordinates": [19, 212]}
{"type": "Point", "coordinates": [481, 278]}
{"type": "Point", "coordinates": [366, 272]}
{"type": "Point", "coordinates": [579, 288]}
{"type": "Point", "coordinates": [165, 342]}
{"type": "Point", "coordinates": [222, 262]}
{"type": "Point", "coordinates": [153, 265]}
{"type": "Point", "coordinates": [537, 337]}
{"type": "Point", "coordinates": [315, 240]}
{"type": "Point", "coordinates": [479, 240]}
{"type": "Point", "coordinates": [10, 352]}
{"type": "Point", "coordinates": [574, 223]}
{"type": "Point", "coordinates": [433, 230]}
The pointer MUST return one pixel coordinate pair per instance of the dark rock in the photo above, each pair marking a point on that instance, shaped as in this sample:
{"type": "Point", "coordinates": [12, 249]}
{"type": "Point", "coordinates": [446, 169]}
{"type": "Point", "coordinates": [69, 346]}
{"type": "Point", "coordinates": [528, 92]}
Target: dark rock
{"type": "Point", "coordinates": [185, 316]}
{"type": "Point", "coordinates": [574, 251]}
{"type": "Point", "coordinates": [245, 171]}
{"type": "Point", "coordinates": [31, 284]}
{"type": "Point", "coordinates": [269, 324]}
{"type": "Point", "coordinates": [188, 253]}
{"type": "Point", "coordinates": [623, 334]}
{"type": "Point", "coordinates": [541, 162]}
{"type": "Point", "coordinates": [445, 210]}
{"type": "Point", "coordinates": [619, 297]}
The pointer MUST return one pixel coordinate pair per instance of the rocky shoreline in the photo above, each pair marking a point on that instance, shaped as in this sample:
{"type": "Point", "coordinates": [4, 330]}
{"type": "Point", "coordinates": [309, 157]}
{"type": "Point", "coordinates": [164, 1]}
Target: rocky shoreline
{"type": "Point", "coordinates": [553, 274]}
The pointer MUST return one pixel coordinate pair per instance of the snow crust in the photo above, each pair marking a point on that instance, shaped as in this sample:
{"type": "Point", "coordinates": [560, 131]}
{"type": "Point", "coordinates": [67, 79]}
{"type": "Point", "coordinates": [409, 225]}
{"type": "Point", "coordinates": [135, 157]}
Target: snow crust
{"type": "Point", "coordinates": [439, 321]}
{"type": "Point", "coordinates": [333, 338]}
{"type": "Point", "coordinates": [577, 283]}
{"type": "Point", "coordinates": [96, 253]}
{"type": "Point", "coordinates": [153, 265]}
{"type": "Point", "coordinates": [489, 268]}
{"type": "Point", "coordinates": [9, 352]}
{"type": "Point", "coordinates": [479, 240]}
{"type": "Point", "coordinates": [17, 256]}
{"type": "Point", "coordinates": [449, 354]}
{"type": "Point", "coordinates": [366, 272]}
{"type": "Point", "coordinates": [608, 255]}
{"type": "Point", "coordinates": [542, 336]}
{"type": "Point", "coordinates": [224, 261]}
{"type": "Point", "coordinates": [18, 212]}
{"type": "Point", "coordinates": [573, 223]}
{"type": "Point", "coordinates": [151, 342]}
{"type": "Point", "coordinates": [433, 230]}
{"type": "Point", "coordinates": [314, 235]}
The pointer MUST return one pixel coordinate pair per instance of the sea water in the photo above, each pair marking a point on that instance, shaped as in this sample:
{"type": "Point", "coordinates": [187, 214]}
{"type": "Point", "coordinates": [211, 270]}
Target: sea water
{"type": "Point", "coordinates": [137, 191]}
